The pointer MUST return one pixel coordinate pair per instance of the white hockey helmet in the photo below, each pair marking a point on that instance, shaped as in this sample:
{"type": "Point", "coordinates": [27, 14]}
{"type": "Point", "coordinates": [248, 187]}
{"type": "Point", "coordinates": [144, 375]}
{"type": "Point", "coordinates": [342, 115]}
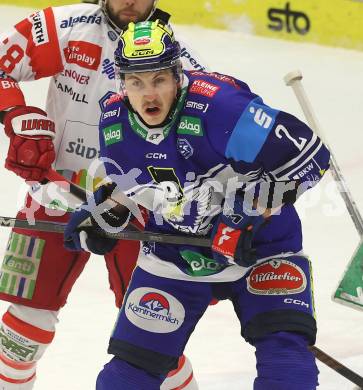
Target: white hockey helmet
{"type": "Point", "coordinates": [118, 29]}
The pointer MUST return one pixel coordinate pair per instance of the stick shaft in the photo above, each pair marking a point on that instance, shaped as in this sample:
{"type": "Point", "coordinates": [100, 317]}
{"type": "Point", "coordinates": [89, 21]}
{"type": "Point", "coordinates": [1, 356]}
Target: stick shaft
{"type": "Point", "coordinates": [337, 366]}
{"type": "Point", "coordinates": [74, 189]}
{"type": "Point", "coordinates": [293, 79]}
{"type": "Point", "coordinates": [123, 235]}
{"type": "Point", "coordinates": [170, 239]}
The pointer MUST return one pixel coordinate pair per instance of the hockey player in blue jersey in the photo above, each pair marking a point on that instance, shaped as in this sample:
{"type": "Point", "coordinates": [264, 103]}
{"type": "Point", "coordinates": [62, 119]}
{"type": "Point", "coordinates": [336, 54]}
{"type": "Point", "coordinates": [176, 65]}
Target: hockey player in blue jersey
{"type": "Point", "coordinates": [206, 157]}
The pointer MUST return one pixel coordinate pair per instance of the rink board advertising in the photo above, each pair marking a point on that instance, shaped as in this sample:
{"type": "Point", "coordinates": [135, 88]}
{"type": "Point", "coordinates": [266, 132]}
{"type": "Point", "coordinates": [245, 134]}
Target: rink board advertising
{"type": "Point", "coordinates": [326, 22]}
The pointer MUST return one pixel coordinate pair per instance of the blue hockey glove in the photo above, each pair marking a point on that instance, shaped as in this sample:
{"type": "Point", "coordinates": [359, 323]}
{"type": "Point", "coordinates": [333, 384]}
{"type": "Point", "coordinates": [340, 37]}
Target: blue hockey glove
{"type": "Point", "coordinates": [233, 234]}
{"type": "Point", "coordinates": [95, 214]}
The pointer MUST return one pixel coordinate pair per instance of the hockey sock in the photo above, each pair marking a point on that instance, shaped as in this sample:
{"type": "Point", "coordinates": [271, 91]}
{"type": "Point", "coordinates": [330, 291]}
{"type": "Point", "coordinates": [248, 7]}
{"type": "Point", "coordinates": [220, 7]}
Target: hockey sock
{"type": "Point", "coordinates": [181, 378]}
{"type": "Point", "coordinates": [120, 375]}
{"type": "Point", "coordinates": [285, 363]}
{"type": "Point", "coordinates": [23, 344]}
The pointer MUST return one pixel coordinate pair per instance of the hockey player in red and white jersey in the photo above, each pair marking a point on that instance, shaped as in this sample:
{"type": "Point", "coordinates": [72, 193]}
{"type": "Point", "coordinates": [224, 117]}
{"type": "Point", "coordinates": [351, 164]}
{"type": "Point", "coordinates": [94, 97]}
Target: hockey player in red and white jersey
{"type": "Point", "coordinates": [74, 45]}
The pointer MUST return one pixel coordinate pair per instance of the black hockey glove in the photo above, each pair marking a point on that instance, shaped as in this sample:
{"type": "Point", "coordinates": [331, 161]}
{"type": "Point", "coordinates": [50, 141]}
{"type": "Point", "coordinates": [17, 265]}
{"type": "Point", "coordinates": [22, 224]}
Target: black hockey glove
{"type": "Point", "coordinates": [98, 213]}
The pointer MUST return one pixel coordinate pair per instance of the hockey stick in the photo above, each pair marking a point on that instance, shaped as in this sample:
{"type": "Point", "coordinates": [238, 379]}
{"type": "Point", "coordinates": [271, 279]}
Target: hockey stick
{"type": "Point", "coordinates": [350, 288]}
{"type": "Point", "coordinates": [123, 235]}
{"type": "Point", "coordinates": [68, 185]}
{"type": "Point", "coordinates": [337, 366]}
{"type": "Point", "coordinates": [167, 239]}
{"type": "Point", "coordinates": [293, 79]}
{"type": "Point", "coordinates": [155, 237]}
{"type": "Point", "coordinates": [170, 239]}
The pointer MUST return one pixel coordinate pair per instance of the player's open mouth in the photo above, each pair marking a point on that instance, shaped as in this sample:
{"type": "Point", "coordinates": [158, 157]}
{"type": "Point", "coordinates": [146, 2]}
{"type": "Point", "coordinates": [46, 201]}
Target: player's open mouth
{"type": "Point", "coordinates": [152, 110]}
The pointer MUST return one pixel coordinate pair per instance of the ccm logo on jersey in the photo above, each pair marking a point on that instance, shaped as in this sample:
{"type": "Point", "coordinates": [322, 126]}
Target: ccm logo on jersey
{"type": "Point", "coordinates": [156, 156]}
{"type": "Point", "coordinates": [201, 87]}
{"type": "Point", "coordinates": [296, 302]}
{"type": "Point", "coordinates": [39, 28]}
{"type": "Point", "coordinates": [276, 277]}
{"type": "Point", "coordinates": [84, 54]}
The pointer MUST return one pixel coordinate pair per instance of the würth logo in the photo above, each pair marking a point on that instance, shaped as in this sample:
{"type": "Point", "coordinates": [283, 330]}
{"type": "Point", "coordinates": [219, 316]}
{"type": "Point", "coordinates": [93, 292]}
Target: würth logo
{"type": "Point", "coordinates": [84, 54]}
{"type": "Point", "coordinates": [38, 124]}
{"type": "Point", "coordinates": [39, 28]}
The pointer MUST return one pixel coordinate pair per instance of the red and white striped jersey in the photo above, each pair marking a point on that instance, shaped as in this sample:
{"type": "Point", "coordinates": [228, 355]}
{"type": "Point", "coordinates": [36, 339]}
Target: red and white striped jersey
{"type": "Point", "coordinates": [74, 45]}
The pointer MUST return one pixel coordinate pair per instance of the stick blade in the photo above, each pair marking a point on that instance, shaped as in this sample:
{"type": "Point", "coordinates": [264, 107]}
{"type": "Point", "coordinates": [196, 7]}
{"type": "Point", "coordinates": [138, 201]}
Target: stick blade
{"type": "Point", "coordinates": [350, 288]}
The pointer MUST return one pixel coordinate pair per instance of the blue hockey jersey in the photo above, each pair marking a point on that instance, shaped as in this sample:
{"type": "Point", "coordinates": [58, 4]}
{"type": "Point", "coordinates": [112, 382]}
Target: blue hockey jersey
{"type": "Point", "coordinates": [221, 137]}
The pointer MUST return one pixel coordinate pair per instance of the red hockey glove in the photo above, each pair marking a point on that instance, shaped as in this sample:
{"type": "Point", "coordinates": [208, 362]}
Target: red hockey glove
{"type": "Point", "coordinates": [31, 150]}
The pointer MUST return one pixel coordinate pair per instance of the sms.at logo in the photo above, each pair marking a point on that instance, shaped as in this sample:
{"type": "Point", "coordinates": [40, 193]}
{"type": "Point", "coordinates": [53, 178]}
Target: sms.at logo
{"type": "Point", "coordinates": [154, 310]}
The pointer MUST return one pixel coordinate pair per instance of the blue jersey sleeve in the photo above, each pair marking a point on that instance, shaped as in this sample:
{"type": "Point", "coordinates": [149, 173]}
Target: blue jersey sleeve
{"type": "Point", "coordinates": [276, 144]}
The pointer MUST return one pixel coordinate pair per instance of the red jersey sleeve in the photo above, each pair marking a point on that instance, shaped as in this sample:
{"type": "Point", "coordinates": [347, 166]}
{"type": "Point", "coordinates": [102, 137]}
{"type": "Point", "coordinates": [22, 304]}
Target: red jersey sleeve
{"type": "Point", "coordinates": [29, 51]}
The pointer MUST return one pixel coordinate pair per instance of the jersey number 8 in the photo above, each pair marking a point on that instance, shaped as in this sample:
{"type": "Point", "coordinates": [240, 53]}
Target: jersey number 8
{"type": "Point", "coordinates": [8, 62]}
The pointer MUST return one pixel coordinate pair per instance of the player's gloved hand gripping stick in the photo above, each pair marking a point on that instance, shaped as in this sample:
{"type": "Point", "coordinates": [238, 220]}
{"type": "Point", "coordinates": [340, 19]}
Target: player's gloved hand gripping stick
{"type": "Point", "coordinates": [97, 212]}
{"type": "Point", "coordinates": [233, 233]}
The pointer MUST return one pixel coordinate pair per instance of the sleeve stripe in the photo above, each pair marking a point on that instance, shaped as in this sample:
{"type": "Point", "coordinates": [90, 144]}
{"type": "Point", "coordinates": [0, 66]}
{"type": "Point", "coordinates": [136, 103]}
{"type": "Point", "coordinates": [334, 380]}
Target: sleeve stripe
{"type": "Point", "coordinates": [287, 174]}
{"type": "Point", "coordinates": [296, 160]}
